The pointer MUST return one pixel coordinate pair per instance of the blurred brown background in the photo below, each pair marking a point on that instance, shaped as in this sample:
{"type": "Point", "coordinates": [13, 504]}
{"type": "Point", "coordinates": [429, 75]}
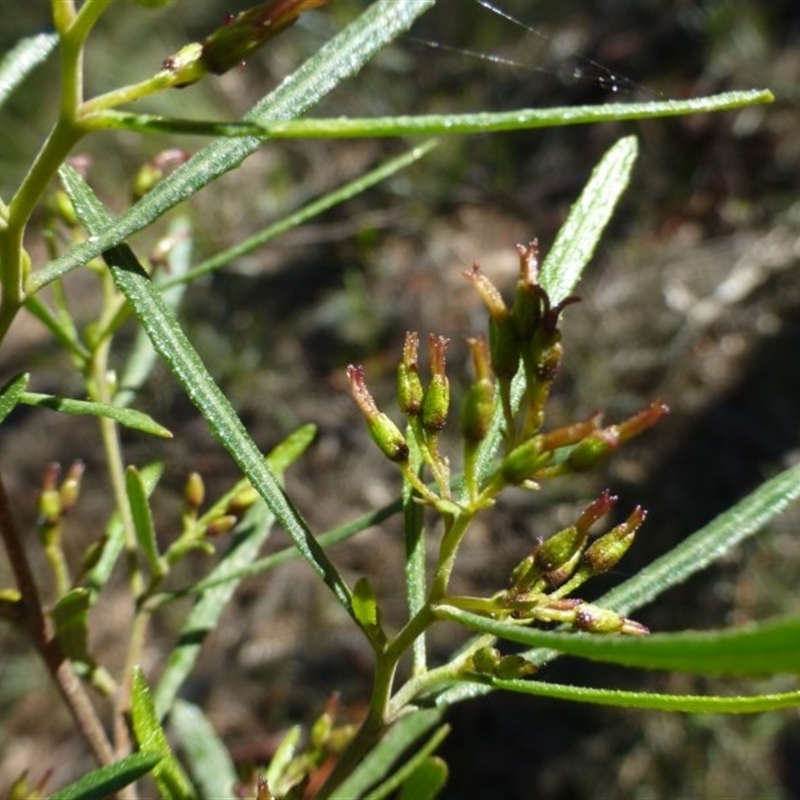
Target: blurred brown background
{"type": "Point", "coordinates": [694, 299]}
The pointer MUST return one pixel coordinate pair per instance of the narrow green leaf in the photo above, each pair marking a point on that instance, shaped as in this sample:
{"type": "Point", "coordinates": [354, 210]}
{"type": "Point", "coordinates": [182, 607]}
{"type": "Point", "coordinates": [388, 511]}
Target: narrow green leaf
{"type": "Point", "coordinates": [692, 704]}
{"type": "Point", "coordinates": [284, 754]}
{"type": "Point", "coordinates": [339, 59]}
{"type": "Point", "coordinates": [426, 782]}
{"type": "Point", "coordinates": [143, 521]}
{"type": "Point", "coordinates": [125, 416]}
{"type": "Point", "coordinates": [11, 393]}
{"type": "Point", "coordinates": [522, 119]}
{"type": "Point", "coordinates": [307, 212]}
{"type": "Point", "coordinates": [112, 546]}
{"type": "Point", "coordinates": [149, 123]}
{"type": "Point", "coordinates": [762, 648]}
{"type": "Point", "coordinates": [168, 774]}
{"type": "Point", "coordinates": [208, 759]}
{"type": "Point", "coordinates": [366, 611]}
{"type": "Point", "coordinates": [285, 453]}
{"type": "Point", "coordinates": [142, 357]}
{"type": "Point", "coordinates": [61, 327]}
{"type": "Point", "coordinates": [71, 619]}
{"type": "Point", "coordinates": [379, 761]}
{"type": "Point", "coordinates": [20, 61]}
{"type": "Point", "coordinates": [175, 348]}
{"type": "Point", "coordinates": [108, 780]}
{"type": "Point", "coordinates": [365, 604]}
{"type": "Point", "coordinates": [579, 235]}
{"type": "Point", "coordinates": [421, 777]}
{"type": "Point", "coordinates": [248, 538]}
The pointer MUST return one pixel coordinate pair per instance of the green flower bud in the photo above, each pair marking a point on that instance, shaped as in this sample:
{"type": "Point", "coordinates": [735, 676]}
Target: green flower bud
{"type": "Point", "coordinates": [185, 66]}
{"type": "Point", "coordinates": [409, 386]}
{"type": "Point", "coordinates": [384, 432]}
{"type": "Point", "coordinates": [71, 486]}
{"type": "Point", "coordinates": [523, 461]}
{"type": "Point", "coordinates": [593, 450]}
{"type": "Point", "coordinates": [242, 500]}
{"type": "Point", "coordinates": [592, 618]}
{"type": "Point", "coordinates": [436, 402]}
{"type": "Point", "coordinates": [194, 493]}
{"type": "Point", "coordinates": [596, 447]}
{"type": "Point", "coordinates": [222, 524]}
{"type": "Point", "coordinates": [486, 659]}
{"type": "Point", "coordinates": [560, 549]}
{"type": "Point", "coordinates": [504, 348]}
{"type": "Point", "coordinates": [527, 309]}
{"type": "Point", "coordinates": [513, 667]}
{"type": "Point", "coordinates": [478, 409]}
{"type": "Point", "coordinates": [50, 498]}
{"type": "Point", "coordinates": [605, 553]}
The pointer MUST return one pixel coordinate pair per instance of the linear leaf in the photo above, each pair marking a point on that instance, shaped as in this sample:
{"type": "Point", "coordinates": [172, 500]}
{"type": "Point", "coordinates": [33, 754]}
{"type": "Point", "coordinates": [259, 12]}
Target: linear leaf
{"type": "Point", "coordinates": [108, 780]}
{"type": "Point", "coordinates": [143, 521]}
{"type": "Point", "coordinates": [695, 704]}
{"type": "Point", "coordinates": [151, 123]}
{"type": "Point", "coordinates": [209, 761]}
{"type": "Point", "coordinates": [522, 119]}
{"type": "Point", "coordinates": [11, 393]}
{"type": "Point", "coordinates": [581, 232]}
{"type": "Point", "coordinates": [141, 357]}
{"type": "Point", "coordinates": [168, 774]}
{"type": "Point", "coordinates": [21, 60]}
{"type": "Point", "coordinates": [128, 417]}
{"type": "Point", "coordinates": [767, 647]}
{"type": "Point", "coordinates": [420, 777]}
{"type": "Point", "coordinates": [307, 212]}
{"type": "Point", "coordinates": [114, 541]}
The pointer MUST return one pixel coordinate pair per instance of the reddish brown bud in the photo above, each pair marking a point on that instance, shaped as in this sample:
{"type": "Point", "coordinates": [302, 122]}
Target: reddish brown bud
{"type": "Point", "coordinates": [595, 510]}
{"type": "Point", "coordinates": [384, 432]}
{"type": "Point", "coordinates": [246, 32]}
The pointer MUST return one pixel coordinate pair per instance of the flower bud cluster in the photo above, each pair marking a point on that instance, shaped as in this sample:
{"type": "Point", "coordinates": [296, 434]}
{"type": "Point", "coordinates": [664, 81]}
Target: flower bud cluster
{"type": "Point", "coordinates": [56, 499]}
{"type": "Point", "coordinates": [556, 567]}
{"type": "Point", "coordinates": [522, 338]}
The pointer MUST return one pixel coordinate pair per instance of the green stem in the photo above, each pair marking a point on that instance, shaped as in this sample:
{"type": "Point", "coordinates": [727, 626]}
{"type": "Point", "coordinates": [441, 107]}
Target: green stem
{"type": "Point", "coordinates": [454, 533]}
{"type": "Point", "coordinates": [441, 676]}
